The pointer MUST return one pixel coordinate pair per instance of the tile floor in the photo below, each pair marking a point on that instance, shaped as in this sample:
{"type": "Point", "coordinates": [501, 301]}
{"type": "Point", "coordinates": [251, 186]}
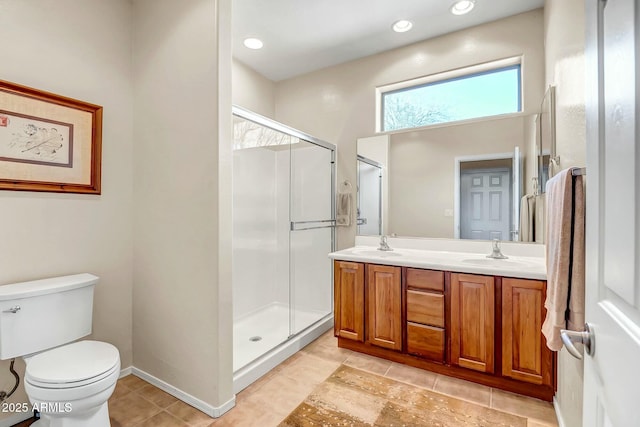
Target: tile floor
{"type": "Point", "coordinates": [135, 403]}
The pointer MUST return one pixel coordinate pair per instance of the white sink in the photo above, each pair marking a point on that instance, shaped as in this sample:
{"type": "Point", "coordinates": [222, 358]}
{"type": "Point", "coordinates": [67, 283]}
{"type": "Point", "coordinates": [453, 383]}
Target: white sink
{"type": "Point", "coordinates": [495, 262]}
{"type": "Point", "coordinates": [376, 253]}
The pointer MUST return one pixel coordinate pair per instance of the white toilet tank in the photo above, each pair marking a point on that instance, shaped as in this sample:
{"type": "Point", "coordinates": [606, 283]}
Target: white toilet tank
{"type": "Point", "coordinates": [42, 314]}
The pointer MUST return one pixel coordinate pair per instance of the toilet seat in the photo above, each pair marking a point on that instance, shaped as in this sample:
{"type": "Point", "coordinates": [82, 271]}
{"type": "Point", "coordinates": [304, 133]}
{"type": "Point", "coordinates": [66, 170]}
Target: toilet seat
{"type": "Point", "coordinates": [81, 398]}
{"type": "Point", "coordinates": [73, 365]}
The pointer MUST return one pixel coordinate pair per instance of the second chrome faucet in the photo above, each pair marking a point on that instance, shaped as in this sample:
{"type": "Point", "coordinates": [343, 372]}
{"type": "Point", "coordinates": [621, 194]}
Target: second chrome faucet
{"type": "Point", "coordinates": [496, 253]}
{"type": "Point", "coordinates": [384, 246]}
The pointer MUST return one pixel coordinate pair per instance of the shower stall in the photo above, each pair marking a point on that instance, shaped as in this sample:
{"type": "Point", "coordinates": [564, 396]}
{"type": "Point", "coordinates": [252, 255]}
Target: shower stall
{"type": "Point", "coordinates": [283, 229]}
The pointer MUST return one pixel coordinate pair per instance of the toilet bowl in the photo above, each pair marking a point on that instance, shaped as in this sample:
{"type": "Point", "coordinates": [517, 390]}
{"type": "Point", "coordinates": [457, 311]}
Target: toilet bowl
{"type": "Point", "coordinates": [70, 385]}
{"type": "Point", "coordinates": [69, 382]}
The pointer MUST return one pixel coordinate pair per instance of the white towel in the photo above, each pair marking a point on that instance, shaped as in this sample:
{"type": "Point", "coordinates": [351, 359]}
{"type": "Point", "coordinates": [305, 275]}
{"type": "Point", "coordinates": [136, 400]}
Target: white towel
{"type": "Point", "coordinates": [565, 257]}
{"type": "Point", "coordinates": [343, 209]}
{"type": "Point", "coordinates": [553, 167]}
{"type": "Point", "coordinates": [527, 211]}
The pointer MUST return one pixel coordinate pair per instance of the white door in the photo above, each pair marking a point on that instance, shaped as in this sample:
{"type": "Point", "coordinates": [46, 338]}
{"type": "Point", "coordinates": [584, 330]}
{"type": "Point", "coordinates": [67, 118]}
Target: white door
{"type": "Point", "coordinates": [612, 372]}
{"type": "Point", "coordinates": [485, 204]}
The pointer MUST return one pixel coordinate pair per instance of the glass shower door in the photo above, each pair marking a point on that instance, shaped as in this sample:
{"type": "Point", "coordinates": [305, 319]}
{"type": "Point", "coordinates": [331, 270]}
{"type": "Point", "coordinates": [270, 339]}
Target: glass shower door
{"type": "Point", "coordinates": [312, 233]}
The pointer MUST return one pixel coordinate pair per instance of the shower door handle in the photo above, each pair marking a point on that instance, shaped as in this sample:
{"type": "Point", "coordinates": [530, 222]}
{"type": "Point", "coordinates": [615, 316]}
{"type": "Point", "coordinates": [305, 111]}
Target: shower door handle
{"type": "Point", "coordinates": [310, 225]}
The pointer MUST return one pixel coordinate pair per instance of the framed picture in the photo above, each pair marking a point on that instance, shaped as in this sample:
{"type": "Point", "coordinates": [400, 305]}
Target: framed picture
{"type": "Point", "coordinates": [48, 142]}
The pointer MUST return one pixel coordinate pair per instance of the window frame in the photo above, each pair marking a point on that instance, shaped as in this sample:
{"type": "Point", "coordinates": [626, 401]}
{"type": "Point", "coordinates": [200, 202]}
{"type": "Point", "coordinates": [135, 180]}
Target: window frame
{"type": "Point", "coordinates": [447, 76]}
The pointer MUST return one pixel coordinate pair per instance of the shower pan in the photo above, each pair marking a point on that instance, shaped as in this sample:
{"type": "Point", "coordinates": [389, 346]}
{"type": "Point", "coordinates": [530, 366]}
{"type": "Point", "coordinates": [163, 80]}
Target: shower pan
{"type": "Point", "coordinates": [283, 229]}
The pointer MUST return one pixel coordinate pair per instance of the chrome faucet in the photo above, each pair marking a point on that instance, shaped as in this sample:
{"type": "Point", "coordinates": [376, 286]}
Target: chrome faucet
{"type": "Point", "coordinates": [384, 246]}
{"type": "Point", "coordinates": [496, 252]}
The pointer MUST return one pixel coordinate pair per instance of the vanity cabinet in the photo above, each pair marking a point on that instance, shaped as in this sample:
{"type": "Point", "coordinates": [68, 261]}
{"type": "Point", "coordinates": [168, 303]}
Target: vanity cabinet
{"type": "Point", "coordinates": [349, 300]}
{"type": "Point", "coordinates": [525, 357]}
{"type": "Point", "coordinates": [384, 306]}
{"type": "Point", "coordinates": [472, 321]}
{"type": "Point", "coordinates": [481, 328]}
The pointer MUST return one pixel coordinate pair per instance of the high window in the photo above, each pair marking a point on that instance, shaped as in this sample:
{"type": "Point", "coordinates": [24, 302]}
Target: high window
{"type": "Point", "coordinates": [480, 91]}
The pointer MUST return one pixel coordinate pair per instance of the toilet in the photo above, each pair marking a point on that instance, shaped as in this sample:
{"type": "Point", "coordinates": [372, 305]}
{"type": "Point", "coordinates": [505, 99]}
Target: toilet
{"type": "Point", "coordinates": [69, 382]}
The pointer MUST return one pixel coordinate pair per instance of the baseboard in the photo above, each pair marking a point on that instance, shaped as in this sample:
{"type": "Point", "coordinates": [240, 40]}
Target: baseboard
{"type": "Point", "coordinates": [556, 406]}
{"type": "Point", "coordinates": [212, 411]}
{"type": "Point", "coordinates": [15, 419]}
{"type": "Point", "coordinates": [126, 371]}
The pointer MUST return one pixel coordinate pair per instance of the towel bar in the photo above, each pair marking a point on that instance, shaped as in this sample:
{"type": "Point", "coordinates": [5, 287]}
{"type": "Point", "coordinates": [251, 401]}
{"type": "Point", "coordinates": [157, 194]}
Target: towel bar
{"type": "Point", "coordinates": [579, 172]}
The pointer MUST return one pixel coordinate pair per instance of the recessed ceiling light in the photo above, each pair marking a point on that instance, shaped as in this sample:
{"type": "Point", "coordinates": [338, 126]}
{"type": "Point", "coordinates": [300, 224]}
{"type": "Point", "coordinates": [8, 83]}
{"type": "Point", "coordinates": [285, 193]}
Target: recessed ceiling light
{"type": "Point", "coordinates": [463, 6]}
{"type": "Point", "coordinates": [402, 26]}
{"type": "Point", "coordinates": [253, 43]}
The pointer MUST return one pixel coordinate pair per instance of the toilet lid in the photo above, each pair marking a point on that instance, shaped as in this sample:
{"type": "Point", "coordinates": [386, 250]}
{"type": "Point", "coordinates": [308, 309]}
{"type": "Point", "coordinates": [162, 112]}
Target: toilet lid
{"type": "Point", "coordinates": [72, 363]}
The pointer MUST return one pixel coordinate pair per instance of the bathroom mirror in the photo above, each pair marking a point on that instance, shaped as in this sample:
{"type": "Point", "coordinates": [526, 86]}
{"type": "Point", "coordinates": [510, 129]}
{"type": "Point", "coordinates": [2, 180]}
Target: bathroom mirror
{"type": "Point", "coordinates": [546, 141]}
{"type": "Point", "coordinates": [461, 180]}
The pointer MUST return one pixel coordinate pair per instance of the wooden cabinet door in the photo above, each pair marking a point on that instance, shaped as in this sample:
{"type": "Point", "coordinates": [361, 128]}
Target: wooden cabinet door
{"type": "Point", "coordinates": [384, 306]}
{"type": "Point", "coordinates": [472, 321]}
{"type": "Point", "coordinates": [525, 356]}
{"type": "Point", "coordinates": [349, 300]}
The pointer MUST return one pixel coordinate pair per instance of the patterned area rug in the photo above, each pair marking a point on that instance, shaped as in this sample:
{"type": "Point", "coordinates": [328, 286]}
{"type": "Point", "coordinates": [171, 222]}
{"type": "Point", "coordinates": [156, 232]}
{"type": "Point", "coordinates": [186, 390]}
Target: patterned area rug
{"type": "Point", "coordinates": [350, 397]}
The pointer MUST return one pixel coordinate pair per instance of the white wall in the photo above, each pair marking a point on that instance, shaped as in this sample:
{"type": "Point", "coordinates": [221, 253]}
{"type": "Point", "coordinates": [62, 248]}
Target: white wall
{"type": "Point", "coordinates": [255, 230]}
{"type": "Point", "coordinates": [564, 53]}
{"type": "Point", "coordinates": [337, 104]}
{"type": "Point", "coordinates": [252, 90]}
{"type": "Point", "coordinates": [181, 283]}
{"type": "Point", "coordinates": [79, 49]}
{"type": "Point", "coordinates": [182, 315]}
{"type": "Point", "coordinates": [564, 58]}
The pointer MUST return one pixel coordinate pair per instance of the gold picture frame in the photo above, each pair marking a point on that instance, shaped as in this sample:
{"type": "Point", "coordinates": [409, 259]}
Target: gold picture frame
{"type": "Point", "coordinates": [48, 142]}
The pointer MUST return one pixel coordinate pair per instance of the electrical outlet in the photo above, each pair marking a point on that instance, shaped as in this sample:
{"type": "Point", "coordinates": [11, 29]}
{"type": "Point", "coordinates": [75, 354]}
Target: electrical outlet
{"type": "Point", "coordinates": [448, 212]}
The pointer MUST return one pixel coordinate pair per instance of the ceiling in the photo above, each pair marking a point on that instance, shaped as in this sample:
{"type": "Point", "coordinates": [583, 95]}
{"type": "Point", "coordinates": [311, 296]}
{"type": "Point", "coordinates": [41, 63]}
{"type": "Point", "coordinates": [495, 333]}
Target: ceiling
{"type": "Point", "coordinates": [301, 36]}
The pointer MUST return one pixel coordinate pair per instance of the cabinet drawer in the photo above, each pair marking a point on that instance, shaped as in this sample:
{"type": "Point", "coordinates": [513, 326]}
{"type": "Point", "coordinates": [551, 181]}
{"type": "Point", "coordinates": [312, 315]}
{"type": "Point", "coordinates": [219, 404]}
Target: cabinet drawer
{"type": "Point", "coordinates": [425, 307]}
{"type": "Point", "coordinates": [425, 341]}
{"type": "Point", "coordinates": [425, 279]}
